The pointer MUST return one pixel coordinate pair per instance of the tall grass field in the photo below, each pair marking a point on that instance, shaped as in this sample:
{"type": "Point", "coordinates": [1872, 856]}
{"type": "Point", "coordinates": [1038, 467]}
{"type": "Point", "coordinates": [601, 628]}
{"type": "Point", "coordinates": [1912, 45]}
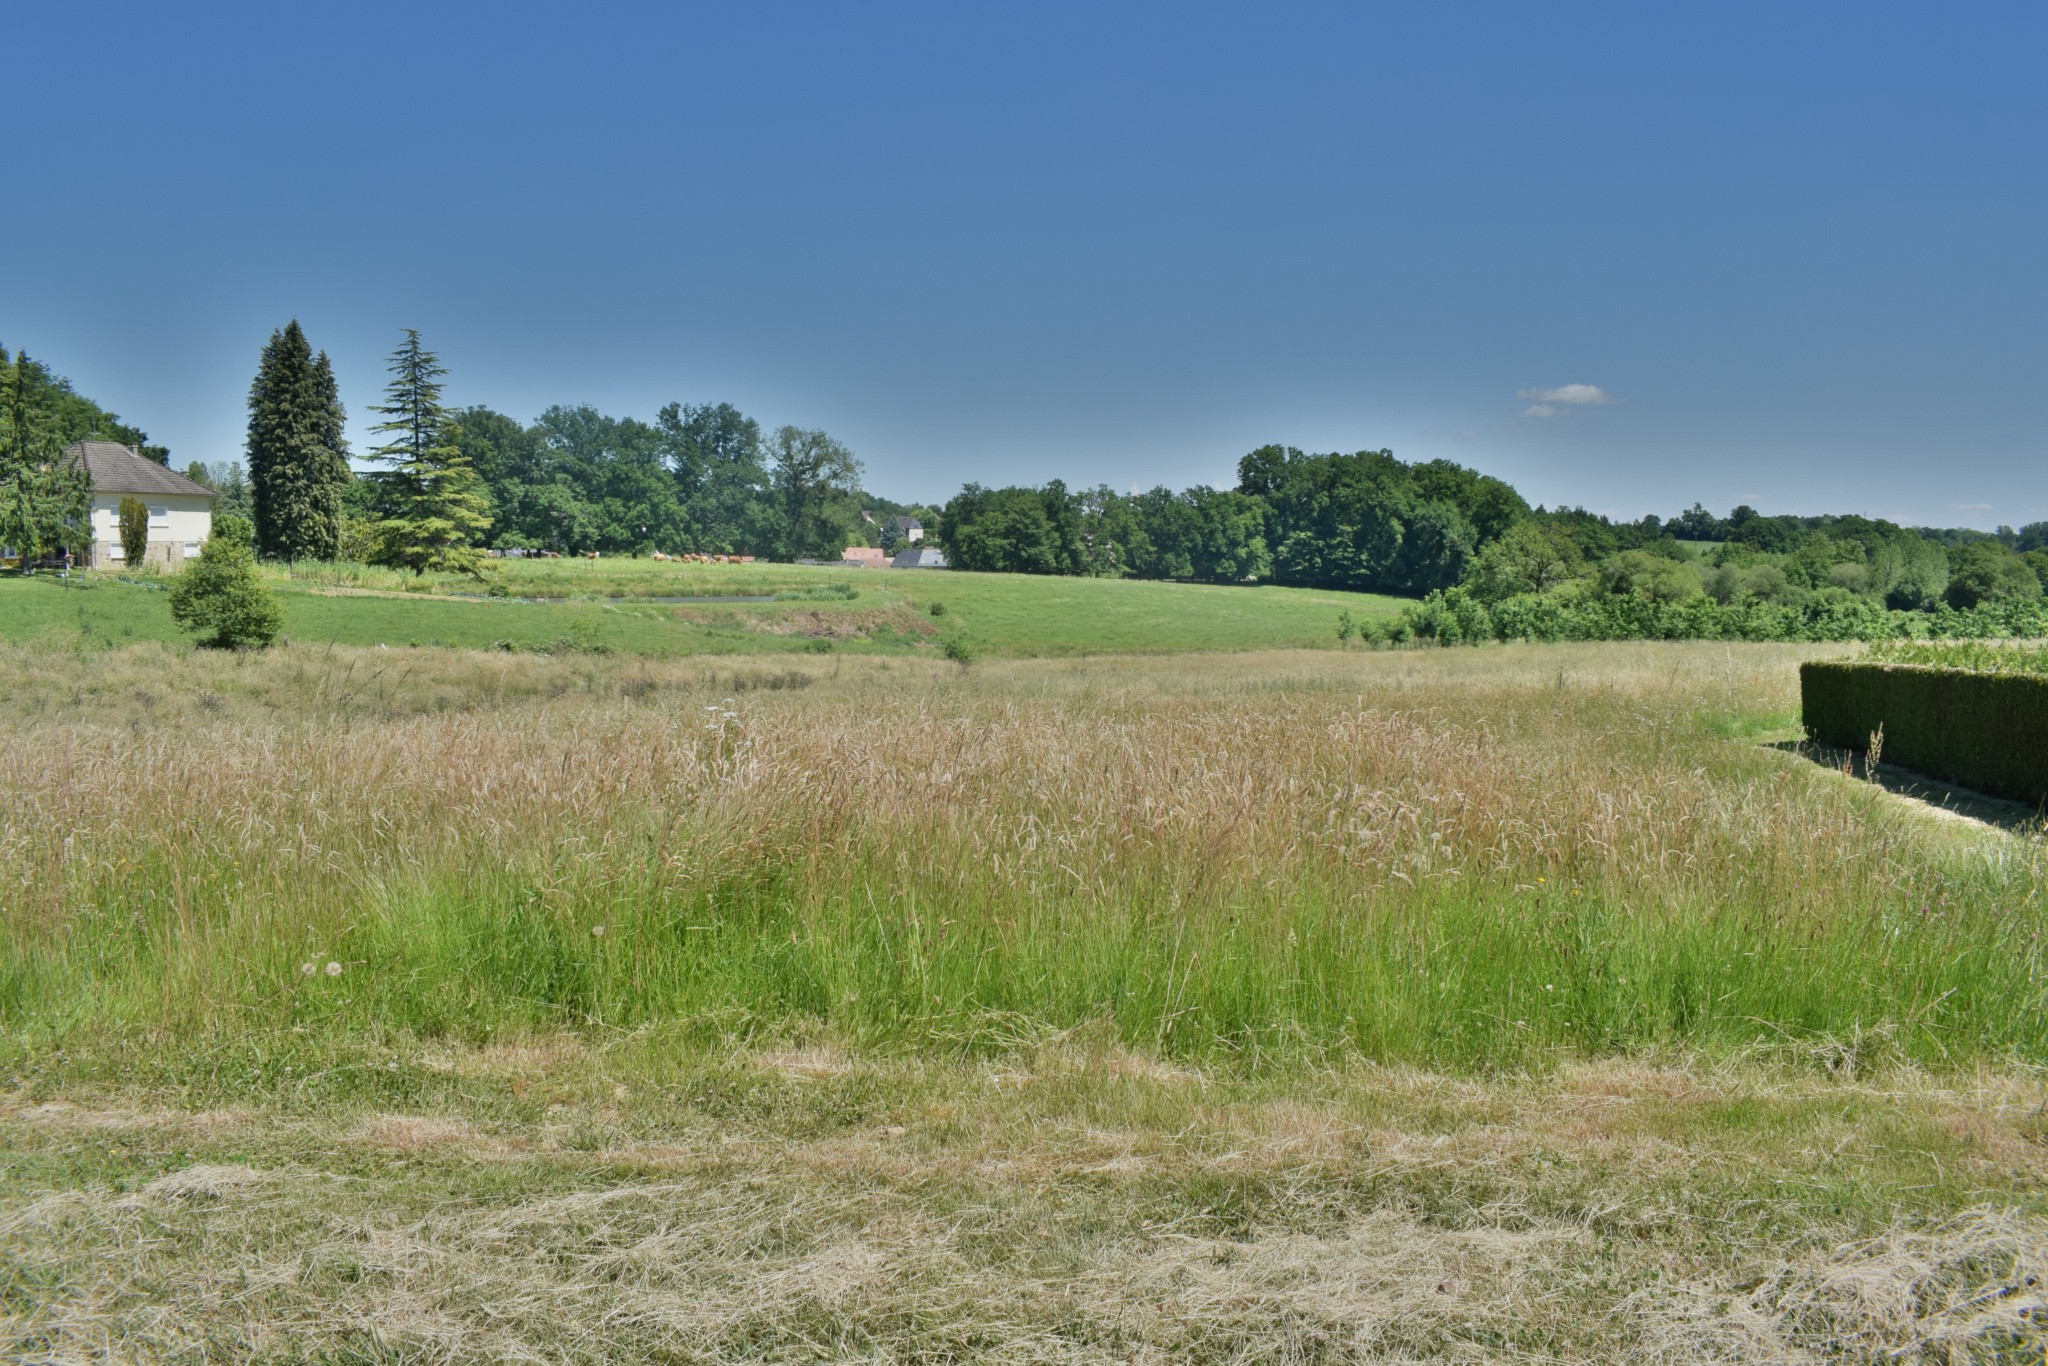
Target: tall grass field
{"type": "Point", "coordinates": [1525, 1003]}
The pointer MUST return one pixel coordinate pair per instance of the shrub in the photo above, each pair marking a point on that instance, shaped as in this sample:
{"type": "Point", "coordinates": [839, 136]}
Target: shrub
{"type": "Point", "coordinates": [1982, 729]}
{"type": "Point", "coordinates": [958, 650]}
{"type": "Point", "coordinates": [232, 526]}
{"type": "Point", "coordinates": [357, 540]}
{"type": "Point", "coordinates": [219, 597]}
{"type": "Point", "coordinates": [134, 517]}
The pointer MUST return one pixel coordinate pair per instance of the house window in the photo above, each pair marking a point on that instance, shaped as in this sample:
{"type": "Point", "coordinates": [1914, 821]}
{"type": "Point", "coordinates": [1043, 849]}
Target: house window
{"type": "Point", "coordinates": [117, 551]}
{"type": "Point", "coordinates": [159, 518]}
{"type": "Point", "coordinates": [191, 550]}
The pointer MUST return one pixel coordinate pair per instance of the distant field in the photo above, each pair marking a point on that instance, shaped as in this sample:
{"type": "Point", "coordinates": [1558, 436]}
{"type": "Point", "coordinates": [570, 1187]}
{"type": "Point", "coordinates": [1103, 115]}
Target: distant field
{"type": "Point", "coordinates": [563, 605]}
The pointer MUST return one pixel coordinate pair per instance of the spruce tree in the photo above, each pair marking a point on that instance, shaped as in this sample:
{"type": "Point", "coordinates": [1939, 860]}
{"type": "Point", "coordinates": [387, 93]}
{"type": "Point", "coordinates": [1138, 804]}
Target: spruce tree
{"type": "Point", "coordinates": [298, 459]}
{"type": "Point", "coordinates": [431, 507]}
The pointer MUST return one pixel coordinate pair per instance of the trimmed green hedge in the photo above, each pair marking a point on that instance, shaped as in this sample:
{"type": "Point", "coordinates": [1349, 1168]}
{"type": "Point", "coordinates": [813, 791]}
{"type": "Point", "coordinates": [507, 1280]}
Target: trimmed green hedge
{"type": "Point", "coordinates": [1988, 731]}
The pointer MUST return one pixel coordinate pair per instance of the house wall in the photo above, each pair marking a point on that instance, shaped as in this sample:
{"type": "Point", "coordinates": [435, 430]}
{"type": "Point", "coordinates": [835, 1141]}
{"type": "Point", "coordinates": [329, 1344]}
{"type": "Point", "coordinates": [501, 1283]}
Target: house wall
{"type": "Point", "coordinates": [179, 525]}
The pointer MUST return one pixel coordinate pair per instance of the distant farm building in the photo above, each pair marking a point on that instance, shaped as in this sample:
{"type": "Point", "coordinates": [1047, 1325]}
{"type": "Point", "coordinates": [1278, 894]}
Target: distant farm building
{"type": "Point", "coordinates": [909, 528]}
{"type": "Point", "coordinates": [919, 559]}
{"type": "Point", "coordinates": [865, 556]}
{"type": "Point", "coordinates": [180, 509]}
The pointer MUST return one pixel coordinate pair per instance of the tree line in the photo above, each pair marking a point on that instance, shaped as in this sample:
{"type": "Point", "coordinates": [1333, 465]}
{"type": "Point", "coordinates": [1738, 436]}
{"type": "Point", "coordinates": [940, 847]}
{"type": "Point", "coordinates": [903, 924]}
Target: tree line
{"type": "Point", "coordinates": [699, 478]}
{"type": "Point", "coordinates": [1365, 522]}
{"type": "Point", "coordinates": [450, 482]}
{"type": "Point", "coordinates": [455, 480]}
{"type": "Point", "coordinates": [1487, 564]}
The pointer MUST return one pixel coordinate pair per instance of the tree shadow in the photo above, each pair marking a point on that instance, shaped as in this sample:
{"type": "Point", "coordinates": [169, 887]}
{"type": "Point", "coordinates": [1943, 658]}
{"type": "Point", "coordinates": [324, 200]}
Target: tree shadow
{"type": "Point", "coordinates": [1962, 802]}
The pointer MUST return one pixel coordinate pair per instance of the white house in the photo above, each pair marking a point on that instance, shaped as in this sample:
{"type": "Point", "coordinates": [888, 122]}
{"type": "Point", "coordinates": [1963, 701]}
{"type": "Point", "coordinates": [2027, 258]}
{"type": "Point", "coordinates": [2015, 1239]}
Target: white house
{"type": "Point", "coordinates": [180, 509]}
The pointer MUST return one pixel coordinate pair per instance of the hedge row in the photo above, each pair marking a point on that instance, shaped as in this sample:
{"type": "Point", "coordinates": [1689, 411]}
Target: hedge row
{"type": "Point", "coordinates": [1455, 617]}
{"type": "Point", "coordinates": [1983, 730]}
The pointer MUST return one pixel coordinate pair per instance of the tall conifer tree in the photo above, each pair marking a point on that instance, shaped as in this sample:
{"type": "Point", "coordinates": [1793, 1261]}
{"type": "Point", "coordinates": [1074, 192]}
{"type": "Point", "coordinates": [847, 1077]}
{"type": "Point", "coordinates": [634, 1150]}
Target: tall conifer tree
{"type": "Point", "coordinates": [298, 458]}
{"type": "Point", "coordinates": [432, 509]}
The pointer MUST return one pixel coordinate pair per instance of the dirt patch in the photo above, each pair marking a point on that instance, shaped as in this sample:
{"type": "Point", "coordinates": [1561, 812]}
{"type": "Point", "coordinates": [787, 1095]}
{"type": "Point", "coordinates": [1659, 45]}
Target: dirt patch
{"type": "Point", "coordinates": [841, 625]}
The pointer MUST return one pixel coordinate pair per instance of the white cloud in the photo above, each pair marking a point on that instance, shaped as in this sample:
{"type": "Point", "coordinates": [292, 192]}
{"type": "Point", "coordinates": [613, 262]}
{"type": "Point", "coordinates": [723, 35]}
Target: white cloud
{"type": "Point", "coordinates": [1573, 394]}
{"type": "Point", "coordinates": [1546, 410]}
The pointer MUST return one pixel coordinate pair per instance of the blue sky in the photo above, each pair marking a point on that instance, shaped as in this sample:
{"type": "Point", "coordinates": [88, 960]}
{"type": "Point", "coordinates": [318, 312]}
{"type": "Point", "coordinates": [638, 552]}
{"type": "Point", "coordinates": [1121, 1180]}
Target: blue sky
{"type": "Point", "coordinates": [1797, 249]}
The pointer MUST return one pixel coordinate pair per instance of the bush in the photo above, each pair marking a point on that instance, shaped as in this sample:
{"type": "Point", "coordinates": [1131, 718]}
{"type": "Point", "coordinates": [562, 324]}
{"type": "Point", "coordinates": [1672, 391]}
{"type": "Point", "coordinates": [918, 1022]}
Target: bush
{"type": "Point", "coordinates": [219, 597]}
{"type": "Point", "coordinates": [1984, 730]}
{"type": "Point", "coordinates": [134, 517]}
{"type": "Point", "coordinates": [1453, 618]}
{"type": "Point", "coordinates": [232, 526]}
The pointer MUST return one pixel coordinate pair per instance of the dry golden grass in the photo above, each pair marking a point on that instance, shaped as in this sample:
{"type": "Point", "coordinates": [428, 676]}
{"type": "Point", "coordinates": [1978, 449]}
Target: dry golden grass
{"type": "Point", "coordinates": [1364, 1215]}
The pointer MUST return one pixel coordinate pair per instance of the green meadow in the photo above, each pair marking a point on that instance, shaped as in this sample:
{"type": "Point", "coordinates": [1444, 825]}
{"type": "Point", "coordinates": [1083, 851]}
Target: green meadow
{"type": "Point", "coordinates": [615, 605]}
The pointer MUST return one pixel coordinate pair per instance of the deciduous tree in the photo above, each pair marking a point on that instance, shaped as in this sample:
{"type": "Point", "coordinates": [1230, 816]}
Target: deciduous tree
{"type": "Point", "coordinates": [815, 479]}
{"type": "Point", "coordinates": [44, 498]}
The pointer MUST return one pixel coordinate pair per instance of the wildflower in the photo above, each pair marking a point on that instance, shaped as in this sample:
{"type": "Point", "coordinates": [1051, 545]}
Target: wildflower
{"type": "Point", "coordinates": [1548, 987]}
{"type": "Point", "coordinates": [308, 969]}
{"type": "Point", "coordinates": [334, 969]}
{"type": "Point", "coordinates": [597, 931]}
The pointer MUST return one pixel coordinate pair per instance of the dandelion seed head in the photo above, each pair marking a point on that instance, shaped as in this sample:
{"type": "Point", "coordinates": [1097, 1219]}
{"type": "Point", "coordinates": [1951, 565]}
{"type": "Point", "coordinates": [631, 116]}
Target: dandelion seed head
{"type": "Point", "coordinates": [334, 969]}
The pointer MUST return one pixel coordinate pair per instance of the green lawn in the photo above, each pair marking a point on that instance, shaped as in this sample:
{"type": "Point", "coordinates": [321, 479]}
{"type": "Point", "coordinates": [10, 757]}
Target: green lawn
{"type": "Point", "coordinates": [610, 605]}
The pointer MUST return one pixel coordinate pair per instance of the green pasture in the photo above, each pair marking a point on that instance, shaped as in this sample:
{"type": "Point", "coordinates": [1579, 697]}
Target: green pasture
{"type": "Point", "coordinates": [614, 606]}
